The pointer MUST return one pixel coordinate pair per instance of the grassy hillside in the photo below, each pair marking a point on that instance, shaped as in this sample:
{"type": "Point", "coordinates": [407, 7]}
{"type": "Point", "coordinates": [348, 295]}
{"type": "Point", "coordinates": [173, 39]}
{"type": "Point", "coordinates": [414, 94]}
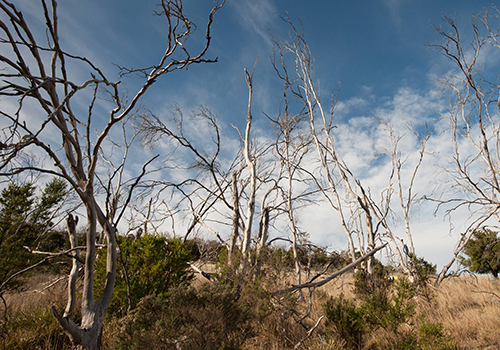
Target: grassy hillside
{"type": "Point", "coordinates": [463, 313]}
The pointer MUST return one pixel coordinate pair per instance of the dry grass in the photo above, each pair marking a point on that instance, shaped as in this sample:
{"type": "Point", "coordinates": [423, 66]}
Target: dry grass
{"type": "Point", "coordinates": [468, 308]}
{"type": "Point", "coordinates": [41, 290]}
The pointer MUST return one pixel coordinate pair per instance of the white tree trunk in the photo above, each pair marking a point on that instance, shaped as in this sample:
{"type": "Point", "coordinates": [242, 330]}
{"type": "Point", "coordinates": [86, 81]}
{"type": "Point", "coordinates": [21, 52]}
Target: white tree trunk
{"type": "Point", "coordinates": [247, 233]}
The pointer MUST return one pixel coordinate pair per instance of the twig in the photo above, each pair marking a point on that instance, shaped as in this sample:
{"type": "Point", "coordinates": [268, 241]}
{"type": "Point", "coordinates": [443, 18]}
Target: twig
{"type": "Point", "coordinates": [336, 274]}
{"type": "Point", "coordinates": [207, 275]}
{"type": "Point", "coordinates": [485, 292]}
{"type": "Point", "coordinates": [297, 346]}
{"type": "Point", "coordinates": [66, 252]}
{"type": "Point", "coordinates": [54, 282]}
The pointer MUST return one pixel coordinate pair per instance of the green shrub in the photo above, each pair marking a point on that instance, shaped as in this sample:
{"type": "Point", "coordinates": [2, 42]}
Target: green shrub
{"type": "Point", "coordinates": [150, 265]}
{"type": "Point", "coordinates": [432, 337]}
{"type": "Point", "coordinates": [346, 321]}
{"type": "Point", "coordinates": [366, 285]}
{"type": "Point", "coordinates": [210, 317]}
{"type": "Point", "coordinates": [422, 271]}
{"type": "Point", "coordinates": [384, 305]}
{"type": "Point", "coordinates": [482, 253]}
{"type": "Point", "coordinates": [25, 221]}
{"type": "Point", "coordinates": [404, 340]}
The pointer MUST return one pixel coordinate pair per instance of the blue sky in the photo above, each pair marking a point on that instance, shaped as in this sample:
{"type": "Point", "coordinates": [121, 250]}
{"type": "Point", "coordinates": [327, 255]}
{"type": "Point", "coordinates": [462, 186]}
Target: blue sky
{"type": "Point", "coordinates": [378, 45]}
{"type": "Point", "coordinates": [377, 49]}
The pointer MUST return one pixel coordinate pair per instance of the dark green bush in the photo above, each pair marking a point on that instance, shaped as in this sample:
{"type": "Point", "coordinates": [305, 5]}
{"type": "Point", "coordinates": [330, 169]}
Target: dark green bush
{"type": "Point", "coordinates": [432, 337]}
{"type": "Point", "coordinates": [25, 220]}
{"type": "Point", "coordinates": [346, 321]}
{"type": "Point", "coordinates": [206, 318]}
{"type": "Point", "coordinates": [387, 309]}
{"type": "Point", "coordinates": [150, 265]}
{"type": "Point", "coordinates": [482, 253]}
{"type": "Point", "coordinates": [422, 270]}
{"type": "Point", "coordinates": [383, 305]}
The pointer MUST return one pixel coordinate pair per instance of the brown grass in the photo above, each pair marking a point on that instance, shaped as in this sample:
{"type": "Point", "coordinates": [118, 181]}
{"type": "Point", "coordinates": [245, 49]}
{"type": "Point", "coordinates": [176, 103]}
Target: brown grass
{"type": "Point", "coordinates": [41, 290]}
{"type": "Point", "coordinates": [468, 308]}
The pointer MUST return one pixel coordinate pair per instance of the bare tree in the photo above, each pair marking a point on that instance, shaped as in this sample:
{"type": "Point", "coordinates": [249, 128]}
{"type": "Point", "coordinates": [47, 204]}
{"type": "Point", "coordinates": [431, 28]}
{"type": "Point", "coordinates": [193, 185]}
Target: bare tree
{"type": "Point", "coordinates": [405, 194]}
{"type": "Point", "coordinates": [276, 180]}
{"type": "Point", "coordinates": [362, 217]}
{"type": "Point", "coordinates": [338, 176]}
{"type": "Point", "coordinates": [215, 194]}
{"type": "Point", "coordinates": [250, 162]}
{"type": "Point", "coordinates": [292, 147]}
{"type": "Point", "coordinates": [36, 75]}
{"type": "Point", "coordinates": [474, 174]}
{"type": "Point", "coordinates": [204, 194]}
{"type": "Point", "coordinates": [236, 220]}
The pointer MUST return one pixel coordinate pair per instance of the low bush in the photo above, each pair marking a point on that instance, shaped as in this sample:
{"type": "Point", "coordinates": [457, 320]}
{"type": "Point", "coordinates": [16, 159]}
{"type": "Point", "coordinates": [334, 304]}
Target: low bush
{"type": "Point", "coordinates": [209, 317]}
{"type": "Point", "coordinates": [346, 321]}
{"type": "Point", "coordinates": [432, 337]}
{"type": "Point", "coordinates": [385, 308]}
{"type": "Point", "coordinates": [150, 265]}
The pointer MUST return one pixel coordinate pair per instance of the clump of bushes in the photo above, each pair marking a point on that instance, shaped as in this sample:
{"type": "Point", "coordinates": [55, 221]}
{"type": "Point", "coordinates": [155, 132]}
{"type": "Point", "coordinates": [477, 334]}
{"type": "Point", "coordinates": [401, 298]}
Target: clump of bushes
{"type": "Point", "coordinates": [210, 317]}
{"type": "Point", "coordinates": [151, 265]}
{"type": "Point", "coordinates": [385, 308]}
{"type": "Point", "coordinates": [25, 221]}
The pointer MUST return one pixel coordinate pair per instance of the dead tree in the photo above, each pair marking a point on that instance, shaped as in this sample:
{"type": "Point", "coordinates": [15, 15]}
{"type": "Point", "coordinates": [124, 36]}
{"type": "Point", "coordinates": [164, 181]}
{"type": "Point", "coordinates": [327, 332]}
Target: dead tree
{"type": "Point", "coordinates": [362, 217]}
{"type": "Point", "coordinates": [406, 198]}
{"type": "Point", "coordinates": [214, 193]}
{"type": "Point", "coordinates": [474, 177]}
{"type": "Point", "coordinates": [35, 74]}
{"type": "Point", "coordinates": [210, 192]}
{"type": "Point", "coordinates": [236, 220]}
{"type": "Point", "coordinates": [292, 148]}
{"type": "Point", "coordinates": [250, 162]}
{"type": "Point", "coordinates": [340, 180]}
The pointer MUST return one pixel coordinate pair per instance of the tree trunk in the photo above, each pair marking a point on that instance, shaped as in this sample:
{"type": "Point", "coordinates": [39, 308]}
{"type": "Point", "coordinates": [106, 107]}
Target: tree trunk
{"type": "Point", "coordinates": [263, 232]}
{"type": "Point", "coordinates": [236, 221]}
{"type": "Point", "coordinates": [88, 334]}
{"type": "Point", "coordinates": [73, 275]}
{"type": "Point", "coordinates": [251, 165]}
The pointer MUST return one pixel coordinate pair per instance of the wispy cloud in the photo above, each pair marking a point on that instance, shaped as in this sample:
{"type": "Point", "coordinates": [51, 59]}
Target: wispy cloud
{"type": "Point", "coordinates": [256, 15]}
{"type": "Point", "coordinates": [394, 7]}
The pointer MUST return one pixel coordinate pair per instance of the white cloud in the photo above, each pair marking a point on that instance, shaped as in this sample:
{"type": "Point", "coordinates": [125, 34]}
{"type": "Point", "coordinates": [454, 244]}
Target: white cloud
{"type": "Point", "coordinates": [394, 7]}
{"type": "Point", "coordinates": [256, 15]}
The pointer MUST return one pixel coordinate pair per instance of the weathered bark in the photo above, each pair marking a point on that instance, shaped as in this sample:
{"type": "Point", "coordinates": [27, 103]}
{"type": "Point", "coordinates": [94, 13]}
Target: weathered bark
{"type": "Point", "coordinates": [73, 275]}
{"type": "Point", "coordinates": [88, 334]}
{"type": "Point", "coordinates": [262, 238]}
{"type": "Point", "coordinates": [247, 232]}
{"type": "Point", "coordinates": [38, 72]}
{"type": "Point", "coordinates": [236, 220]}
{"type": "Point", "coordinates": [263, 228]}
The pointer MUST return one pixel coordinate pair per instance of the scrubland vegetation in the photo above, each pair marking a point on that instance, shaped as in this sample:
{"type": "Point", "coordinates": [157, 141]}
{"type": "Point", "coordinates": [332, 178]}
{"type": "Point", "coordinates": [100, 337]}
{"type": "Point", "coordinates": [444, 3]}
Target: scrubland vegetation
{"type": "Point", "coordinates": [354, 311]}
{"type": "Point", "coordinates": [118, 282]}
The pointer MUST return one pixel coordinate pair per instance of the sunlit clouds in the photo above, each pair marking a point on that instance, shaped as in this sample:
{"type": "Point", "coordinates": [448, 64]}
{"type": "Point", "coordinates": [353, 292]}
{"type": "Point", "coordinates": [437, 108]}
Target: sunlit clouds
{"type": "Point", "coordinates": [375, 48]}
